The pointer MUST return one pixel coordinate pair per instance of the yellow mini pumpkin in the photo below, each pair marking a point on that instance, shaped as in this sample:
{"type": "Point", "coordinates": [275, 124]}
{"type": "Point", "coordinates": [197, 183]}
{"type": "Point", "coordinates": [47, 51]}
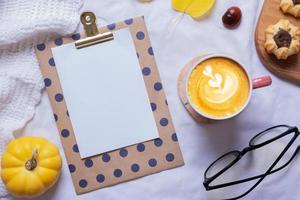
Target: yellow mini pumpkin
{"type": "Point", "coordinates": [30, 166]}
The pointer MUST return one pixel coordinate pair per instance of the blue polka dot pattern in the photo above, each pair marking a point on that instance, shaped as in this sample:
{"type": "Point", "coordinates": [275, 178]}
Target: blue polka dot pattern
{"type": "Point", "coordinates": [164, 121]}
{"type": "Point", "coordinates": [140, 35]}
{"type": "Point", "coordinates": [72, 168]}
{"type": "Point", "coordinates": [41, 47]}
{"type": "Point", "coordinates": [166, 102]}
{"type": "Point", "coordinates": [65, 133]}
{"type": "Point", "coordinates": [150, 51]}
{"type": "Point", "coordinates": [111, 26]}
{"type": "Point", "coordinates": [153, 106]}
{"type": "Point", "coordinates": [58, 41]}
{"type": "Point", "coordinates": [106, 157]}
{"type": "Point", "coordinates": [170, 157]}
{"type": "Point", "coordinates": [47, 82]}
{"type": "Point", "coordinates": [123, 152]}
{"type": "Point", "coordinates": [152, 162]}
{"type": "Point", "coordinates": [158, 142]}
{"type": "Point", "coordinates": [135, 167]}
{"type": "Point", "coordinates": [100, 178]}
{"type": "Point", "coordinates": [128, 21]}
{"type": "Point", "coordinates": [140, 147]}
{"type": "Point", "coordinates": [51, 62]}
{"type": "Point", "coordinates": [75, 148]}
{"type": "Point", "coordinates": [67, 113]}
{"type": "Point", "coordinates": [146, 71]}
{"type": "Point", "coordinates": [118, 173]}
{"type": "Point", "coordinates": [55, 117]}
{"type": "Point", "coordinates": [88, 163]}
{"type": "Point", "coordinates": [157, 86]}
{"type": "Point", "coordinates": [83, 183]}
{"type": "Point", "coordinates": [59, 97]}
{"type": "Point", "coordinates": [76, 36]}
{"type": "Point", "coordinates": [174, 137]}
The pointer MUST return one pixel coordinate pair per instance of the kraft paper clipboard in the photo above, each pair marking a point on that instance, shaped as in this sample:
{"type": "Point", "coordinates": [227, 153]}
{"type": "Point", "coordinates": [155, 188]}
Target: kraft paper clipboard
{"type": "Point", "coordinates": [129, 162]}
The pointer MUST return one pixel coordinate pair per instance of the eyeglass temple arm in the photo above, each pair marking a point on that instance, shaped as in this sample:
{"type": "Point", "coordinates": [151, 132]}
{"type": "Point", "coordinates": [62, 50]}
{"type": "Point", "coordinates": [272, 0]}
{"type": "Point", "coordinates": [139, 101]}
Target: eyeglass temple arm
{"type": "Point", "coordinates": [255, 177]}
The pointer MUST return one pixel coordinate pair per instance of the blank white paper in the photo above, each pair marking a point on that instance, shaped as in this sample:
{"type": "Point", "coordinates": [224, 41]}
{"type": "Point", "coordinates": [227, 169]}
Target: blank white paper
{"type": "Point", "coordinates": [105, 94]}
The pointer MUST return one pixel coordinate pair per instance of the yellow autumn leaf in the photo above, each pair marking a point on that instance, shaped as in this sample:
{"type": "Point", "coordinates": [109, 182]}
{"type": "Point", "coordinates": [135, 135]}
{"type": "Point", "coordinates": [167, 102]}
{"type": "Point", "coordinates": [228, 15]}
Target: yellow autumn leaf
{"type": "Point", "coordinates": [195, 8]}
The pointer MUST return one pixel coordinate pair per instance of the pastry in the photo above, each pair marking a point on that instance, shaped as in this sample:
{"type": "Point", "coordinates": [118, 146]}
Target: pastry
{"type": "Point", "coordinates": [290, 6]}
{"type": "Point", "coordinates": [282, 39]}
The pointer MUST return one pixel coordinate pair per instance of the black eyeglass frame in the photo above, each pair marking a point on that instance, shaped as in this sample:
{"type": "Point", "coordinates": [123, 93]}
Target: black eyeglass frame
{"type": "Point", "coordinates": [251, 147]}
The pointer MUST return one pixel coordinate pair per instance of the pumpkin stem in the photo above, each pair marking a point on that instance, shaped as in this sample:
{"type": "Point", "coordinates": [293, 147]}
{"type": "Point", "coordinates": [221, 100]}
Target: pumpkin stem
{"type": "Point", "coordinates": [32, 163]}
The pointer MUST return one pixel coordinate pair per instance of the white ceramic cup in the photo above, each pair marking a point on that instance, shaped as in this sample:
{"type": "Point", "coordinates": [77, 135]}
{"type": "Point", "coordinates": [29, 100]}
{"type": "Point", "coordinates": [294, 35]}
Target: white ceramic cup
{"type": "Point", "coordinates": [253, 83]}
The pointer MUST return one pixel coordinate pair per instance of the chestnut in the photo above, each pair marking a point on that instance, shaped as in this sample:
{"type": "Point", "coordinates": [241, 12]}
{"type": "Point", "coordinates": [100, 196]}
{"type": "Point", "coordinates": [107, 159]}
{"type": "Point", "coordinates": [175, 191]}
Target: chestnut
{"type": "Point", "coordinates": [232, 17]}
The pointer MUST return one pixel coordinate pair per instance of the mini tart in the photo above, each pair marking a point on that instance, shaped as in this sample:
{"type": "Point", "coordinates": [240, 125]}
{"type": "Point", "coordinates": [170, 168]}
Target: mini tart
{"type": "Point", "coordinates": [290, 6]}
{"type": "Point", "coordinates": [282, 39]}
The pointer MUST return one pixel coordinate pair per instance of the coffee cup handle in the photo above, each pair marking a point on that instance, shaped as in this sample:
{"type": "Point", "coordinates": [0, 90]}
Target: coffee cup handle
{"type": "Point", "coordinates": [261, 82]}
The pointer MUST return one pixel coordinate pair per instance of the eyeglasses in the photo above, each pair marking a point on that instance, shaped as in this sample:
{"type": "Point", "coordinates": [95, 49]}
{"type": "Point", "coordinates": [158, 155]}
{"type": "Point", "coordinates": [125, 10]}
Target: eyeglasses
{"type": "Point", "coordinates": [225, 162]}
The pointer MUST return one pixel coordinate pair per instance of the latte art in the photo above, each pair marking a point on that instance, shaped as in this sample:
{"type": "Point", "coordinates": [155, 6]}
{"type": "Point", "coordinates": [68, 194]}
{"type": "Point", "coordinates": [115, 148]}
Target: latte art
{"type": "Point", "coordinates": [218, 87]}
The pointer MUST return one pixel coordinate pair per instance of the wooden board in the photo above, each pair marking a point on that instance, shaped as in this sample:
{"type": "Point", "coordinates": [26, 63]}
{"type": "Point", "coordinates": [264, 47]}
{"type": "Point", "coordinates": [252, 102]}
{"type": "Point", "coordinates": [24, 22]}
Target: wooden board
{"type": "Point", "coordinates": [288, 69]}
{"type": "Point", "coordinates": [183, 94]}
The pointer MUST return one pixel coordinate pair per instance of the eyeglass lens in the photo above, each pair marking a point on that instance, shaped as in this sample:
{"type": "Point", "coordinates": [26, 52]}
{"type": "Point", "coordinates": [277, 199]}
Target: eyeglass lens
{"type": "Point", "coordinates": [221, 164]}
{"type": "Point", "coordinates": [268, 135]}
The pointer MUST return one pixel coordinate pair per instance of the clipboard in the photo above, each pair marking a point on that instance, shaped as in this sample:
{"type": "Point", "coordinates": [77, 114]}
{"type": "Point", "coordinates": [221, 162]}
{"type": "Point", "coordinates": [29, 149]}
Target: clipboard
{"type": "Point", "coordinates": [126, 163]}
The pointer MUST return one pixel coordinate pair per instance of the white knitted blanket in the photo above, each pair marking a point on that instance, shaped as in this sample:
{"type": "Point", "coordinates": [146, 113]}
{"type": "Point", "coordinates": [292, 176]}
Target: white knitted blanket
{"type": "Point", "coordinates": [24, 23]}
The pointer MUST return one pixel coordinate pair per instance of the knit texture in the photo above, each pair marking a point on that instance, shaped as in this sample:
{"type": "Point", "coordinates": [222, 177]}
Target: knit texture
{"type": "Point", "coordinates": [24, 24]}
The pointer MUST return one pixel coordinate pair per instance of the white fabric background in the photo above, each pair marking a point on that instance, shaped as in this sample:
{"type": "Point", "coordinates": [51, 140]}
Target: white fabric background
{"type": "Point", "coordinates": [201, 144]}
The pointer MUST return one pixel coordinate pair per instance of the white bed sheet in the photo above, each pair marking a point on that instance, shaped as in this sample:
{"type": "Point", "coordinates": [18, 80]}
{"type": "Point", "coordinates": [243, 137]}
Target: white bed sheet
{"type": "Point", "coordinates": [201, 144]}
